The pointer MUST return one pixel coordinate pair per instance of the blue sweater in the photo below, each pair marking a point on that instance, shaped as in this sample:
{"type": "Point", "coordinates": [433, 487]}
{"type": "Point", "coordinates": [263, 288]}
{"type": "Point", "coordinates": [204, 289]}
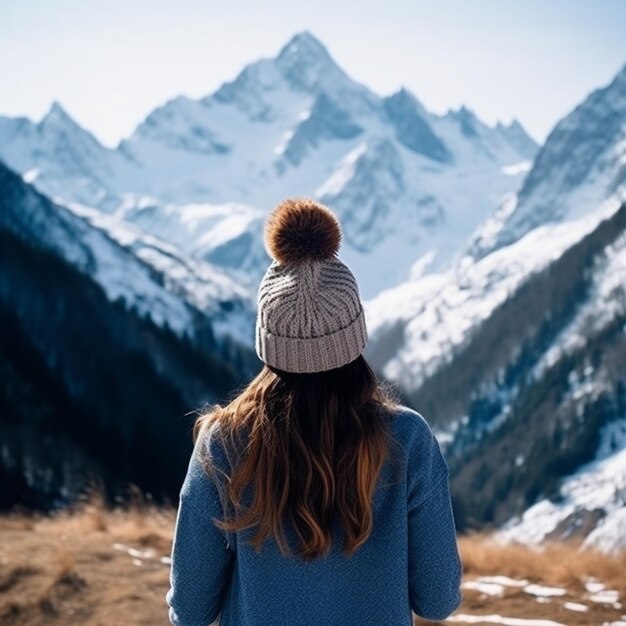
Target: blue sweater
{"type": "Point", "coordinates": [409, 563]}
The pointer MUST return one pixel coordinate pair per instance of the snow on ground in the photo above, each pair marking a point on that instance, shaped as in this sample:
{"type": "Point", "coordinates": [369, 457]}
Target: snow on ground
{"type": "Point", "coordinates": [495, 585]}
{"type": "Point", "coordinates": [496, 588]}
{"type": "Point", "coordinates": [543, 591]}
{"type": "Point", "coordinates": [505, 581]}
{"type": "Point", "coordinates": [463, 618]}
{"type": "Point", "coordinates": [488, 588]}
{"type": "Point", "coordinates": [31, 175]}
{"type": "Point", "coordinates": [486, 233]}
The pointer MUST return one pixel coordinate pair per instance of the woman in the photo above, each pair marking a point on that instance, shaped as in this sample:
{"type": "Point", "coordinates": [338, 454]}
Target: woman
{"type": "Point", "coordinates": [313, 497]}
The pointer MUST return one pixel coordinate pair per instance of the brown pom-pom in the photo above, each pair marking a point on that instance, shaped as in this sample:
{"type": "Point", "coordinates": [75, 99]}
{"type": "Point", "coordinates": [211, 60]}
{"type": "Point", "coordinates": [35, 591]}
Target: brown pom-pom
{"type": "Point", "coordinates": [300, 230]}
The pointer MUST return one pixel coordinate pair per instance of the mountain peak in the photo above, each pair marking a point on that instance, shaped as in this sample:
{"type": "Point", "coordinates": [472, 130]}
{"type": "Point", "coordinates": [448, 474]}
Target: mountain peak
{"type": "Point", "coordinates": [57, 113]}
{"type": "Point", "coordinates": [462, 114]}
{"type": "Point", "coordinates": [57, 125]}
{"type": "Point", "coordinates": [57, 119]}
{"type": "Point", "coordinates": [515, 133]}
{"type": "Point", "coordinates": [467, 120]}
{"type": "Point", "coordinates": [305, 62]}
{"type": "Point", "coordinates": [412, 127]}
{"type": "Point", "coordinates": [513, 124]}
{"type": "Point", "coordinates": [406, 96]}
{"type": "Point", "coordinates": [465, 112]}
{"type": "Point", "coordinates": [513, 127]}
{"type": "Point", "coordinates": [305, 44]}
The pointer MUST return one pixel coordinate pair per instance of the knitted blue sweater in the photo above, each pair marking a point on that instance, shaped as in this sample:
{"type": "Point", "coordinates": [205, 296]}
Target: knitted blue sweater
{"type": "Point", "coordinates": [410, 562]}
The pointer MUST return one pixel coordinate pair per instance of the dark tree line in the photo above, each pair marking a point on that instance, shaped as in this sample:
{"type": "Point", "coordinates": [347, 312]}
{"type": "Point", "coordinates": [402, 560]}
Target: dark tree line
{"type": "Point", "coordinates": [89, 390]}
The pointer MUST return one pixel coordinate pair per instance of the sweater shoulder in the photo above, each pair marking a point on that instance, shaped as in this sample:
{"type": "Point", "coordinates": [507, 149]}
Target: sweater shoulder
{"type": "Point", "coordinates": [412, 426]}
{"type": "Point", "coordinates": [426, 466]}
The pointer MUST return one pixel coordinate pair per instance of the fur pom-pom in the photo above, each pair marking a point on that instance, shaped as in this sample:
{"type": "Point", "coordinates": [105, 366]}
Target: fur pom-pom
{"type": "Point", "coordinates": [300, 230]}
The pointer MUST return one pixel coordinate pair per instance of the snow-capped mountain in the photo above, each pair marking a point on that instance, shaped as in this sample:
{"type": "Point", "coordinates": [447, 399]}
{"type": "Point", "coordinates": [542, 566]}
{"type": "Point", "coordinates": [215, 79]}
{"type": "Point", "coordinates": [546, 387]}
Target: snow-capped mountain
{"type": "Point", "coordinates": [146, 274]}
{"type": "Point", "coordinates": [516, 352]}
{"type": "Point", "coordinates": [184, 282]}
{"type": "Point", "coordinates": [108, 339]}
{"type": "Point", "coordinates": [225, 235]}
{"type": "Point", "coordinates": [61, 158]}
{"type": "Point", "coordinates": [582, 162]}
{"type": "Point", "coordinates": [410, 186]}
{"type": "Point", "coordinates": [420, 324]}
{"type": "Point", "coordinates": [537, 386]}
{"type": "Point", "coordinates": [540, 391]}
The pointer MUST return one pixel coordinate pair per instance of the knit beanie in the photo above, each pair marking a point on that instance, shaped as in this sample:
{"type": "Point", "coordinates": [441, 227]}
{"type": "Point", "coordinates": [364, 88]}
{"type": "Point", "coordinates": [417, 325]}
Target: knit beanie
{"type": "Point", "coordinates": [310, 317]}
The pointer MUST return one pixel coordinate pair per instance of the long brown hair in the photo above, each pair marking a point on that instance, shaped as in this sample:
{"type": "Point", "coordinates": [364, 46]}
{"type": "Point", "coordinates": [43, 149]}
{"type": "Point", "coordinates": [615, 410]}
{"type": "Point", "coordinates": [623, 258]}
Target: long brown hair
{"type": "Point", "coordinates": [315, 445]}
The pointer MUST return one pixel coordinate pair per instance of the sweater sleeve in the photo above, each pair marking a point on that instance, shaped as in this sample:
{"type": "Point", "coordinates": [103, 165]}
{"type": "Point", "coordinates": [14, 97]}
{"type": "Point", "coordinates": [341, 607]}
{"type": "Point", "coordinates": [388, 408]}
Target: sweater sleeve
{"type": "Point", "coordinates": [201, 559]}
{"type": "Point", "coordinates": [435, 568]}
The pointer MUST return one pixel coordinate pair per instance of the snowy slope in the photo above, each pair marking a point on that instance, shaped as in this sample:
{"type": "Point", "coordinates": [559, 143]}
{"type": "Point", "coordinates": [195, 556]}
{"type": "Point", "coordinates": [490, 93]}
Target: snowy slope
{"type": "Point", "coordinates": [146, 274]}
{"type": "Point", "coordinates": [61, 158]}
{"type": "Point", "coordinates": [409, 186]}
{"type": "Point", "coordinates": [582, 162]}
{"type": "Point", "coordinates": [592, 500]}
{"type": "Point", "coordinates": [418, 326]}
{"type": "Point", "coordinates": [595, 490]}
{"type": "Point", "coordinates": [578, 175]}
{"type": "Point", "coordinates": [519, 396]}
{"type": "Point", "coordinates": [536, 376]}
{"type": "Point", "coordinates": [225, 235]}
{"type": "Point", "coordinates": [207, 288]}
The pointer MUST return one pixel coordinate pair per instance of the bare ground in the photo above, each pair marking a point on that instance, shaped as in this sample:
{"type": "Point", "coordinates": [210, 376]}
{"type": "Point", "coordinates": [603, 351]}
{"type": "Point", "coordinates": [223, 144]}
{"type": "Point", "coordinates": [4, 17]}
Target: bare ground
{"type": "Point", "coordinates": [97, 567]}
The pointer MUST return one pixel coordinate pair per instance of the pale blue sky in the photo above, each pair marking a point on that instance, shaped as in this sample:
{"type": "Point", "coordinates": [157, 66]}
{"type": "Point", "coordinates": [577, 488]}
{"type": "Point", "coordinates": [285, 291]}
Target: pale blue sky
{"type": "Point", "coordinates": [109, 63]}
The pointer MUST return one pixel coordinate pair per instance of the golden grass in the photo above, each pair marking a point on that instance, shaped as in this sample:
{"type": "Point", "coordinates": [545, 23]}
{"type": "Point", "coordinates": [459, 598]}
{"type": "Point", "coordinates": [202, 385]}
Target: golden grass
{"type": "Point", "coordinates": [63, 568]}
{"type": "Point", "coordinates": [74, 568]}
{"type": "Point", "coordinates": [65, 562]}
{"type": "Point", "coordinates": [553, 563]}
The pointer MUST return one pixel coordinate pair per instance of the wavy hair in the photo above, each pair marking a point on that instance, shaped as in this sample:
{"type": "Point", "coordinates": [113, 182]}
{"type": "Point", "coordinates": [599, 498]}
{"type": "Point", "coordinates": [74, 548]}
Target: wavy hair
{"type": "Point", "coordinates": [311, 446]}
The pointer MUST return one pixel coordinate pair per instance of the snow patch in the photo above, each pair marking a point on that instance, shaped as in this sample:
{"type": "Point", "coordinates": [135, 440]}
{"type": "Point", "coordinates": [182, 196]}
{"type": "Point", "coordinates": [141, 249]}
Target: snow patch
{"type": "Point", "coordinates": [334, 185]}
{"type": "Point", "coordinates": [517, 168]}
{"type": "Point", "coordinates": [31, 175]}
{"type": "Point", "coordinates": [284, 142]}
{"type": "Point", "coordinates": [464, 618]}
{"type": "Point", "coordinates": [490, 589]}
{"type": "Point", "coordinates": [545, 592]}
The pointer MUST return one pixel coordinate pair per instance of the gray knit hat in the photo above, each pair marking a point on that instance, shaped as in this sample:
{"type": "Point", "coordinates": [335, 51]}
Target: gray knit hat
{"type": "Point", "coordinates": [310, 317]}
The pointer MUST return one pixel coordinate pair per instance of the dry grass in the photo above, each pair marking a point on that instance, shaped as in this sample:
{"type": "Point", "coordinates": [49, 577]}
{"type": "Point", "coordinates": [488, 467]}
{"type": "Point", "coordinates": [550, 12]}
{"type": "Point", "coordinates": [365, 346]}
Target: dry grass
{"type": "Point", "coordinates": [554, 563]}
{"type": "Point", "coordinates": [65, 562]}
{"type": "Point", "coordinates": [93, 566]}
{"type": "Point", "coordinates": [74, 567]}
{"type": "Point", "coordinates": [562, 565]}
